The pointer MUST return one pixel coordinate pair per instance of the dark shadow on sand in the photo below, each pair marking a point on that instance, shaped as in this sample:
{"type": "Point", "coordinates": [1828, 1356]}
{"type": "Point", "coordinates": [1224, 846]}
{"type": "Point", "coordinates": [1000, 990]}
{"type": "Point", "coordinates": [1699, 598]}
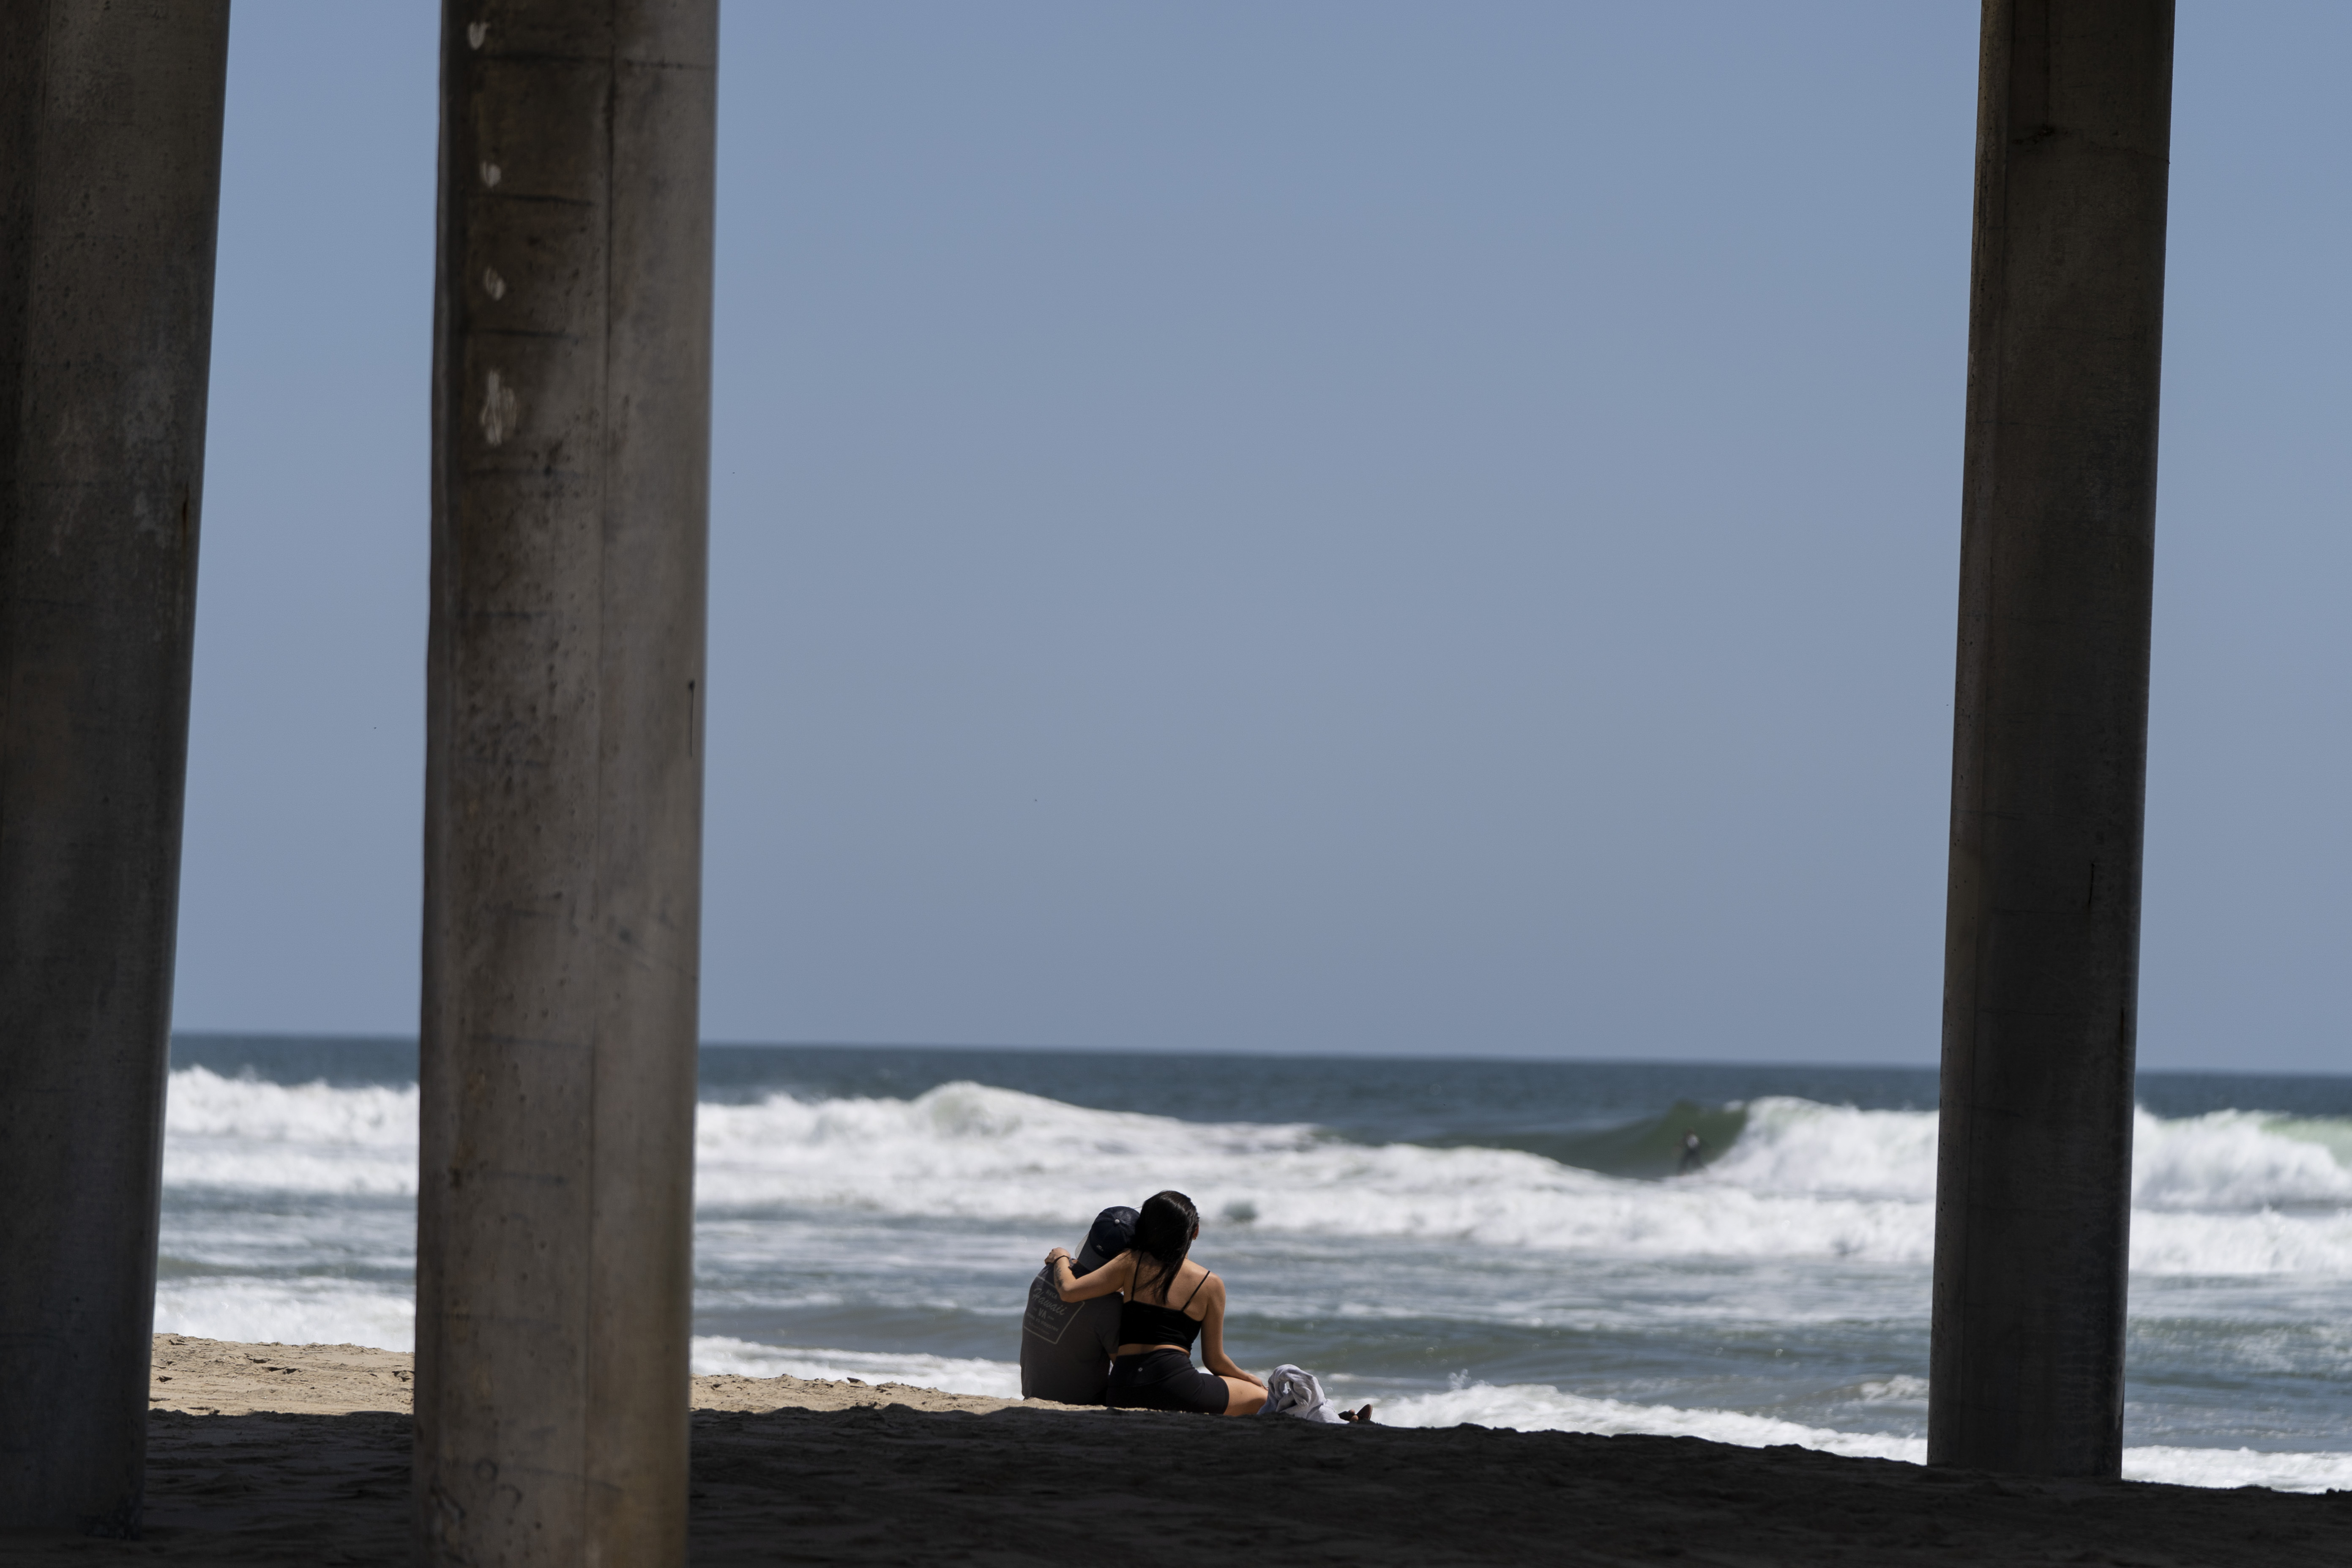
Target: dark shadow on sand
{"type": "Point", "coordinates": [901, 1486]}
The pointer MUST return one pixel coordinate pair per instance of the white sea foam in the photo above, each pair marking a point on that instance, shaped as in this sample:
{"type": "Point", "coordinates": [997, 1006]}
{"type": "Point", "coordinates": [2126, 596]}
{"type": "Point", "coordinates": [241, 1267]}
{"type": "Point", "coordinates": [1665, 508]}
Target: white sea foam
{"type": "Point", "coordinates": [302, 1311]}
{"type": "Point", "coordinates": [277, 1184]}
{"type": "Point", "coordinates": [2231, 1192]}
{"type": "Point", "coordinates": [1529, 1407]}
{"type": "Point", "coordinates": [288, 1311]}
{"type": "Point", "coordinates": [2226, 1161]}
{"type": "Point", "coordinates": [2234, 1160]}
{"type": "Point", "coordinates": [1803, 1180]}
{"type": "Point", "coordinates": [2287, 1472]}
{"type": "Point", "coordinates": [949, 1375]}
{"type": "Point", "coordinates": [310, 1311]}
{"type": "Point", "coordinates": [240, 1133]}
{"type": "Point", "coordinates": [991, 1154]}
{"type": "Point", "coordinates": [1796, 1148]}
{"type": "Point", "coordinates": [2264, 1242]}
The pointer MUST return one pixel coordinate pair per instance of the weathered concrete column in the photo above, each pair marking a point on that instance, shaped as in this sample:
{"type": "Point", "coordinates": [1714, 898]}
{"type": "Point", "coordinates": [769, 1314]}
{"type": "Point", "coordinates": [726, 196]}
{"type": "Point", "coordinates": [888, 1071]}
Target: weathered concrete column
{"type": "Point", "coordinates": [2050, 736]}
{"type": "Point", "coordinates": [563, 786]}
{"type": "Point", "coordinates": [109, 196]}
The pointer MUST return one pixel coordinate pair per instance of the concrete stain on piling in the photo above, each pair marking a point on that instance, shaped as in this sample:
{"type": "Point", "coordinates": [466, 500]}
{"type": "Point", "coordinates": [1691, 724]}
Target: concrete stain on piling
{"type": "Point", "coordinates": [498, 410]}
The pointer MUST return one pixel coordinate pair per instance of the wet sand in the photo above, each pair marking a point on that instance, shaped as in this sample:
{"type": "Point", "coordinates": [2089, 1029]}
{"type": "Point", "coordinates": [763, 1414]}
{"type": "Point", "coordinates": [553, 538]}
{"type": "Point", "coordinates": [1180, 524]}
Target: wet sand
{"type": "Point", "coordinates": [274, 1454]}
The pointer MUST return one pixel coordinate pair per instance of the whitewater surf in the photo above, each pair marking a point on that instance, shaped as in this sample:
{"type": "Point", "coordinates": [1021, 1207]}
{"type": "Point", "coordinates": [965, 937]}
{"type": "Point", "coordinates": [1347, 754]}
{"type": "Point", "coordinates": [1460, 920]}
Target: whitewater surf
{"type": "Point", "coordinates": [1504, 1244]}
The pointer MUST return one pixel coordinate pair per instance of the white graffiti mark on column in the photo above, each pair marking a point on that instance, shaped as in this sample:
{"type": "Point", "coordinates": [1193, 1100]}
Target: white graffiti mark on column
{"type": "Point", "coordinates": [498, 410]}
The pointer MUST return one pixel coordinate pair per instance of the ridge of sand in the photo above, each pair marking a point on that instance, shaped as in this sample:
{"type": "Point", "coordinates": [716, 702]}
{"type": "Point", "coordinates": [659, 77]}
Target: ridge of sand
{"type": "Point", "coordinates": [223, 1377]}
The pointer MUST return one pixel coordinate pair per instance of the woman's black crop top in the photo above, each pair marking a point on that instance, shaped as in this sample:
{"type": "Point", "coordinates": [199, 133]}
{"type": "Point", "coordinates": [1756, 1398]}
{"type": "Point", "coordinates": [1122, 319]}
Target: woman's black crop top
{"type": "Point", "coordinates": [1141, 1324]}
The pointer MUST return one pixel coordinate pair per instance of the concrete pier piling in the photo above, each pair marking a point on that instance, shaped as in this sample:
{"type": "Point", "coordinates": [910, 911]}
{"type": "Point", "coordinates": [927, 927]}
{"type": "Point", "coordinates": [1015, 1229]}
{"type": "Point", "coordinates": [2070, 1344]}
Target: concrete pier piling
{"type": "Point", "coordinates": [110, 199]}
{"type": "Point", "coordinates": [2050, 736]}
{"type": "Point", "coordinates": [563, 797]}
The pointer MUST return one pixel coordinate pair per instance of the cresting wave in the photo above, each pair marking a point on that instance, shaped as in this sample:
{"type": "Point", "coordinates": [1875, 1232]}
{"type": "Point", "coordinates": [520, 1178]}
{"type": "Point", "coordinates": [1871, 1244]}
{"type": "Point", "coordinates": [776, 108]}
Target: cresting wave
{"type": "Point", "coordinates": [2231, 1192]}
{"type": "Point", "coordinates": [246, 1133]}
{"type": "Point", "coordinates": [1787, 1280]}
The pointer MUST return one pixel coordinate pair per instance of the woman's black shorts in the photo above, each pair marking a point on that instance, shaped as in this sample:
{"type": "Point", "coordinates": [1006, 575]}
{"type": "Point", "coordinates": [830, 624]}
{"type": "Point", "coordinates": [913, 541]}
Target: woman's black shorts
{"type": "Point", "coordinates": [1166, 1379]}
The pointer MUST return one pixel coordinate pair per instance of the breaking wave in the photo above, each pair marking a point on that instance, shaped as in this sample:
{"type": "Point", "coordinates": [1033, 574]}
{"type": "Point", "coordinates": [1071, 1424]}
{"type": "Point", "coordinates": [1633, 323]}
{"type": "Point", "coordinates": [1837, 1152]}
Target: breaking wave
{"type": "Point", "coordinates": [2234, 1191]}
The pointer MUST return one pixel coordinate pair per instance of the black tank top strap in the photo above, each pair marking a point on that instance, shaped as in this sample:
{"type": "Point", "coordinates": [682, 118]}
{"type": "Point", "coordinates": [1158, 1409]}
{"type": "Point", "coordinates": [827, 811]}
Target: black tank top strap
{"type": "Point", "coordinates": [1206, 1275]}
{"type": "Point", "coordinates": [1142, 1322]}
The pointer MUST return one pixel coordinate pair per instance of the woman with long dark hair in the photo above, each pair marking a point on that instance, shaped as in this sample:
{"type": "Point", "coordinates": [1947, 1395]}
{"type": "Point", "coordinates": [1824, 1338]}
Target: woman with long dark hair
{"type": "Point", "coordinates": [1169, 1298]}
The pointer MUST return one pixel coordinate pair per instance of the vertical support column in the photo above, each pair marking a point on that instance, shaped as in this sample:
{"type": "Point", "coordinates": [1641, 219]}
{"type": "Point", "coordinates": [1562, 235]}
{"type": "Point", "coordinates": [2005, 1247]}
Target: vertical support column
{"type": "Point", "coordinates": [110, 199]}
{"type": "Point", "coordinates": [2050, 736]}
{"type": "Point", "coordinates": [563, 779]}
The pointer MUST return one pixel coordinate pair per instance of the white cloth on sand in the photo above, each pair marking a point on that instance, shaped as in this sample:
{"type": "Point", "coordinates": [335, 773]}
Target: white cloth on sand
{"type": "Point", "coordinates": [1291, 1391]}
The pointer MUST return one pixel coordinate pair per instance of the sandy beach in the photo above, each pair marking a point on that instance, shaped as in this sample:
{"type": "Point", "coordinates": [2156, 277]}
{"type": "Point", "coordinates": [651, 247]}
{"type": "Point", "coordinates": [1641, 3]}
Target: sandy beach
{"type": "Point", "coordinates": [299, 1453]}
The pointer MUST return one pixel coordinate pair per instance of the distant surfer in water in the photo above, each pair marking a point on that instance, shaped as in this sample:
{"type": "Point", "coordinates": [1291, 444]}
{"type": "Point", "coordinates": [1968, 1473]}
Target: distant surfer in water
{"type": "Point", "coordinates": [1169, 1298]}
{"type": "Point", "coordinates": [1694, 1152]}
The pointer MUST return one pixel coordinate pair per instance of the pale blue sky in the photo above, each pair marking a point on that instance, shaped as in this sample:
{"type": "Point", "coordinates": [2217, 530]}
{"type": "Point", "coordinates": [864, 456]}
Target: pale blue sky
{"type": "Point", "coordinates": [1310, 526]}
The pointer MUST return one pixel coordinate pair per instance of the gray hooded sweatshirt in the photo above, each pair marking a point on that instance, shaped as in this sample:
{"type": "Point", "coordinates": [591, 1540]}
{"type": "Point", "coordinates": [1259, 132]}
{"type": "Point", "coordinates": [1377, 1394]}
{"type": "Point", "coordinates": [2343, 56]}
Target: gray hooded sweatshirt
{"type": "Point", "coordinates": [1066, 1346]}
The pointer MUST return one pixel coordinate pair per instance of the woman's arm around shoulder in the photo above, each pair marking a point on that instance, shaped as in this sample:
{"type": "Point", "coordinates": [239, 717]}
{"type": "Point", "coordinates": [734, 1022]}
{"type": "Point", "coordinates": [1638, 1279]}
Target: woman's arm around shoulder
{"type": "Point", "coordinates": [1116, 1275]}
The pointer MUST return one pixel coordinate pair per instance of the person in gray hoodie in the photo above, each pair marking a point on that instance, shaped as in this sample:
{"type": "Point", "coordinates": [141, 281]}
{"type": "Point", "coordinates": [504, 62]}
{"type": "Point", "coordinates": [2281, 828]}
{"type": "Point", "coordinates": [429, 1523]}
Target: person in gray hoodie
{"type": "Point", "coordinates": [1066, 1346]}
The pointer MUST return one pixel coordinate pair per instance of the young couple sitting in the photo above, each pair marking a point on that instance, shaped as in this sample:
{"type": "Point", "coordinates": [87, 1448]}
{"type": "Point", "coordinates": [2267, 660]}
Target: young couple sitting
{"type": "Point", "coordinates": [1118, 1328]}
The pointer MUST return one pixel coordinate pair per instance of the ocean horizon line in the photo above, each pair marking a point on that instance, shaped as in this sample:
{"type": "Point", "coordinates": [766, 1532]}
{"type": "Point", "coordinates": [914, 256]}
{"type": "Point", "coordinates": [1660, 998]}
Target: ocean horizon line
{"type": "Point", "coordinates": [410, 1042]}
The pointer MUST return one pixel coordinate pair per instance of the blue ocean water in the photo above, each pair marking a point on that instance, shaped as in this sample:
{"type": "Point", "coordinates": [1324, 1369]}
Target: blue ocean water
{"type": "Point", "coordinates": [1505, 1242]}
